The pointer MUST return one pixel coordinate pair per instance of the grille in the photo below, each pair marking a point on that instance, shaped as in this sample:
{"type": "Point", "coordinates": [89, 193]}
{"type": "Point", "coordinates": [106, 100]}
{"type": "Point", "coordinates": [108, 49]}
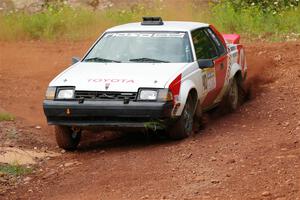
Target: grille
{"type": "Point", "coordinates": [97, 95]}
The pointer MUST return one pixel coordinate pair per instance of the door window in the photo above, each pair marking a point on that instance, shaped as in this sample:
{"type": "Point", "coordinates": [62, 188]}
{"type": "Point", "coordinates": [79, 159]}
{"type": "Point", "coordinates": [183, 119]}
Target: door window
{"type": "Point", "coordinates": [204, 47]}
{"type": "Point", "coordinates": [218, 43]}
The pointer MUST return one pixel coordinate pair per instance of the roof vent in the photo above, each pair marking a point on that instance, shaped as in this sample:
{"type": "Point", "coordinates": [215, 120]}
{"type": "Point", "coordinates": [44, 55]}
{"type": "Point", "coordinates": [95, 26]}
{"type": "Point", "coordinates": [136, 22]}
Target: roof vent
{"type": "Point", "coordinates": [152, 21]}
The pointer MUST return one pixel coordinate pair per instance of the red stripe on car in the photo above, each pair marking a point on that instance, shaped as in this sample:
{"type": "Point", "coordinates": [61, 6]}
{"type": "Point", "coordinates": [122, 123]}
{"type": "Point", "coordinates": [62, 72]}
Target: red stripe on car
{"type": "Point", "coordinates": [175, 86]}
{"type": "Point", "coordinates": [220, 76]}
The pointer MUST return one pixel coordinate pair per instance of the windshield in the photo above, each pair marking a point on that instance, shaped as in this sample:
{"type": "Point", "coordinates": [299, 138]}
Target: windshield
{"type": "Point", "coordinates": [136, 47]}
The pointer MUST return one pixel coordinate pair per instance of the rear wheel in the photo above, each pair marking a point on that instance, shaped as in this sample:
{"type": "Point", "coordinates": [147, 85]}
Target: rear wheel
{"type": "Point", "coordinates": [235, 96]}
{"type": "Point", "coordinates": [67, 138]}
{"type": "Point", "coordinates": [184, 126]}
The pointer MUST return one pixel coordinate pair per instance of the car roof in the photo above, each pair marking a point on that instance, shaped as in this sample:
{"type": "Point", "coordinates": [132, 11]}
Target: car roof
{"type": "Point", "coordinates": [167, 26]}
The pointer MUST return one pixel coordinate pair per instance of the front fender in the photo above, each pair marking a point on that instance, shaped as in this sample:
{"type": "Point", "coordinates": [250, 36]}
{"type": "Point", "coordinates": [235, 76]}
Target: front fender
{"type": "Point", "coordinates": [185, 89]}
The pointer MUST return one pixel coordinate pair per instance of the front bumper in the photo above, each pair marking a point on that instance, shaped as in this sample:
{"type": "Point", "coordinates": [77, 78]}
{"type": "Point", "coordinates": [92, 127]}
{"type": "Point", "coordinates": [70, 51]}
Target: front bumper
{"type": "Point", "coordinates": [106, 113]}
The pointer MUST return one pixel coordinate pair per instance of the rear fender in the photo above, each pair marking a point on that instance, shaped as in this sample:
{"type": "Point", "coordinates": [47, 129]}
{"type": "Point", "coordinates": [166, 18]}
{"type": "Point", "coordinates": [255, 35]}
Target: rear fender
{"type": "Point", "coordinates": [235, 68]}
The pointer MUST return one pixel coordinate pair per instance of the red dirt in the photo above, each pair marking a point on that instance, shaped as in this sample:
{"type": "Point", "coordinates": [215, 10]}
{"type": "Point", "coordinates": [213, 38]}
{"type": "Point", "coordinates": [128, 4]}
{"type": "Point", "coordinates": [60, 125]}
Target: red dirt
{"type": "Point", "coordinates": [253, 153]}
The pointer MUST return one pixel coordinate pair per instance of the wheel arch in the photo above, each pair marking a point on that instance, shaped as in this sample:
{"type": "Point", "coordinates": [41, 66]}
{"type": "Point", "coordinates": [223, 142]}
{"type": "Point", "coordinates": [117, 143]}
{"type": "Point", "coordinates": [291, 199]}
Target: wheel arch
{"type": "Point", "coordinates": [194, 94]}
{"type": "Point", "coordinates": [198, 108]}
{"type": "Point", "coordinates": [187, 88]}
{"type": "Point", "coordinates": [236, 72]}
{"type": "Point", "coordinates": [238, 76]}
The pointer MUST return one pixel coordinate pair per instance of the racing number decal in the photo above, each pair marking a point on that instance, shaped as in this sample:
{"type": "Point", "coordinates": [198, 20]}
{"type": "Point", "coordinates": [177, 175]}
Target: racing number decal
{"type": "Point", "coordinates": [209, 79]}
{"type": "Point", "coordinates": [217, 80]}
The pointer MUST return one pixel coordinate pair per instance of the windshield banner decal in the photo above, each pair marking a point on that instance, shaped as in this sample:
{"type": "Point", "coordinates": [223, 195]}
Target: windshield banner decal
{"type": "Point", "coordinates": [156, 35]}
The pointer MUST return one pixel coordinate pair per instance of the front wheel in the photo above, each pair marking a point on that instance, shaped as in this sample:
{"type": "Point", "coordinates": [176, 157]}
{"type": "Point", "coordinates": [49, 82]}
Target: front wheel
{"type": "Point", "coordinates": [67, 138]}
{"type": "Point", "coordinates": [184, 126]}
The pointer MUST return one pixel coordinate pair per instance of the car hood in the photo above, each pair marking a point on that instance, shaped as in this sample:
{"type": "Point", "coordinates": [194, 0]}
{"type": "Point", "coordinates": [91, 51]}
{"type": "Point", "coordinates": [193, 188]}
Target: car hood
{"type": "Point", "coordinates": [117, 76]}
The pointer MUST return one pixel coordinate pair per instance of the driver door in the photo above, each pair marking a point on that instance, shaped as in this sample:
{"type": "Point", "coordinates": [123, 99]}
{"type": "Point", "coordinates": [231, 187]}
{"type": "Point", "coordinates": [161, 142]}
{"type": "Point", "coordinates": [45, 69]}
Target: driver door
{"type": "Point", "coordinates": [212, 79]}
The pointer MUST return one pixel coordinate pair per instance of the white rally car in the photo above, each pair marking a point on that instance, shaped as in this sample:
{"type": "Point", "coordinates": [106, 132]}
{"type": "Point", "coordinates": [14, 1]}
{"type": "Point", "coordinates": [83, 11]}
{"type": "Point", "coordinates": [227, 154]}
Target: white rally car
{"type": "Point", "coordinates": [154, 75]}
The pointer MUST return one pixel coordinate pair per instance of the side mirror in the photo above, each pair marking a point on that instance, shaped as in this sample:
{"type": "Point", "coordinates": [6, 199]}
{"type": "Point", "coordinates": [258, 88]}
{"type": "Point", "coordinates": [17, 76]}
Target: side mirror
{"type": "Point", "coordinates": [205, 63]}
{"type": "Point", "coordinates": [75, 60]}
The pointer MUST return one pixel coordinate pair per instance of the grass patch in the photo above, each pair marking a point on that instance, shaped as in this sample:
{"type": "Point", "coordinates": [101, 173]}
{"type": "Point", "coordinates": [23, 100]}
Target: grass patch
{"type": "Point", "coordinates": [255, 22]}
{"type": "Point", "coordinates": [6, 117]}
{"type": "Point", "coordinates": [66, 23]}
{"type": "Point", "coordinates": [63, 23]}
{"type": "Point", "coordinates": [52, 24]}
{"type": "Point", "coordinates": [15, 170]}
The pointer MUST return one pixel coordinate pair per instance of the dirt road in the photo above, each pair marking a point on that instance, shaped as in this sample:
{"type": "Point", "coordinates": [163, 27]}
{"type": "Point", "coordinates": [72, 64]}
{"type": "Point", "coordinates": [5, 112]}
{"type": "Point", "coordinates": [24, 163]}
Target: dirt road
{"type": "Point", "coordinates": [253, 153]}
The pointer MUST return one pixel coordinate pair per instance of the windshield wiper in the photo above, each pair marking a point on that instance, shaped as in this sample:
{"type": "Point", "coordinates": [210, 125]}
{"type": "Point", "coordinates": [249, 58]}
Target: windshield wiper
{"type": "Point", "coordinates": [148, 60]}
{"type": "Point", "coordinates": [98, 59]}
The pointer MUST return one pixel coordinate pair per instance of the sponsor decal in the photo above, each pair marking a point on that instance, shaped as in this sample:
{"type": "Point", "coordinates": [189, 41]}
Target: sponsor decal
{"type": "Point", "coordinates": [228, 70]}
{"type": "Point", "coordinates": [209, 79]}
{"type": "Point", "coordinates": [146, 35]}
{"type": "Point", "coordinates": [104, 80]}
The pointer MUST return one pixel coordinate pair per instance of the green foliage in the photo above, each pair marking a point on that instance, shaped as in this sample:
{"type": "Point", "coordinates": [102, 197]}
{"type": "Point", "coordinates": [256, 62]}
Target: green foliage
{"type": "Point", "coordinates": [121, 16]}
{"type": "Point", "coordinates": [273, 6]}
{"type": "Point", "coordinates": [6, 117]}
{"type": "Point", "coordinates": [53, 23]}
{"type": "Point", "coordinates": [255, 22]}
{"type": "Point", "coordinates": [14, 170]}
{"type": "Point", "coordinates": [270, 19]}
{"type": "Point", "coordinates": [59, 21]}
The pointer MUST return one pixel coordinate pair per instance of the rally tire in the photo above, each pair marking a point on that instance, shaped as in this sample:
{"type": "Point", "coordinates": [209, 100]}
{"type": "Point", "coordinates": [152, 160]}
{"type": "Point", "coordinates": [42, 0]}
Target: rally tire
{"type": "Point", "coordinates": [183, 127]}
{"type": "Point", "coordinates": [67, 138]}
{"type": "Point", "coordinates": [235, 96]}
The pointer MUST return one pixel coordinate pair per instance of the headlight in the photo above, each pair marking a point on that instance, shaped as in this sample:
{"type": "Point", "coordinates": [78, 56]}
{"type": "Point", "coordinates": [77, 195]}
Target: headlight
{"type": "Point", "coordinates": [50, 93]}
{"type": "Point", "coordinates": [155, 95]}
{"type": "Point", "coordinates": [67, 93]}
{"type": "Point", "coordinates": [150, 95]}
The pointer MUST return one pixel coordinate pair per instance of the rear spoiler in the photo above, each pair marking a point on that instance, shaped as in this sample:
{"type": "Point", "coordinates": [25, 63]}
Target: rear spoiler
{"type": "Point", "coordinates": [232, 38]}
